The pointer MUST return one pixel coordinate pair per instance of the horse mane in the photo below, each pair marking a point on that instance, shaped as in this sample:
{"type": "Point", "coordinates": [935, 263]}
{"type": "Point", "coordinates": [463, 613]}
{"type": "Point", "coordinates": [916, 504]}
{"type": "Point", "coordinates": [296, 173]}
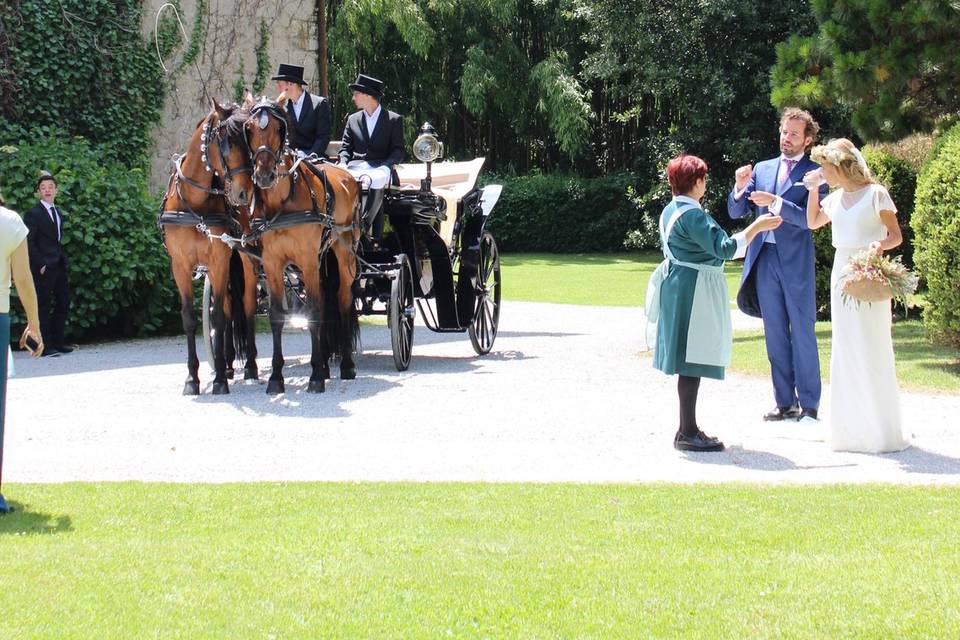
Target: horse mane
{"type": "Point", "coordinates": [234, 122]}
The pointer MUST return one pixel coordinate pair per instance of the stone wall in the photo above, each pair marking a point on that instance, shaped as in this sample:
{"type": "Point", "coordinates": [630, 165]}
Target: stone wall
{"type": "Point", "coordinates": [233, 34]}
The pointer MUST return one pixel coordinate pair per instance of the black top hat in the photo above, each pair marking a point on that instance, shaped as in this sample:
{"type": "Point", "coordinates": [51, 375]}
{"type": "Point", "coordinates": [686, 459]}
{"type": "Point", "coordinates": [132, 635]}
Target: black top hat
{"type": "Point", "coordinates": [290, 73]}
{"type": "Point", "coordinates": [368, 85]}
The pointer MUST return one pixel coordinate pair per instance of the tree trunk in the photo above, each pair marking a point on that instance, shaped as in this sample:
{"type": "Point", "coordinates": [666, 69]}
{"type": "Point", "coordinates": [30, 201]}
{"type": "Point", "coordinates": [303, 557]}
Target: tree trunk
{"type": "Point", "coordinates": [322, 47]}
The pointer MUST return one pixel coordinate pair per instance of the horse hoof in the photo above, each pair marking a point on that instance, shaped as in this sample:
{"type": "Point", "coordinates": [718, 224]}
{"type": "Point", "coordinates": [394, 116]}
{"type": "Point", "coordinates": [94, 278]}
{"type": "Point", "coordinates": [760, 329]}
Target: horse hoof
{"type": "Point", "coordinates": [191, 388]}
{"type": "Point", "coordinates": [315, 386]}
{"type": "Point", "coordinates": [275, 387]}
{"type": "Point", "coordinates": [230, 373]}
{"type": "Point", "coordinates": [348, 373]}
{"type": "Point", "coordinates": [250, 374]}
{"type": "Point", "coordinates": [220, 388]}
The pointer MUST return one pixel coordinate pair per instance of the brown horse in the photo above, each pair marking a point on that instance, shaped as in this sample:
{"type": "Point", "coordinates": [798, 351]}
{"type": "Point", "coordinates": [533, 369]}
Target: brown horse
{"type": "Point", "coordinates": [306, 214]}
{"type": "Point", "coordinates": [202, 202]}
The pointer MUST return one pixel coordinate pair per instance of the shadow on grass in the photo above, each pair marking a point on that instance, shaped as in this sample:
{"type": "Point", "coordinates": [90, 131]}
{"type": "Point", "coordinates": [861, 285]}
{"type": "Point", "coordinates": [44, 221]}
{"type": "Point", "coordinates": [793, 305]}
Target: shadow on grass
{"type": "Point", "coordinates": [23, 522]}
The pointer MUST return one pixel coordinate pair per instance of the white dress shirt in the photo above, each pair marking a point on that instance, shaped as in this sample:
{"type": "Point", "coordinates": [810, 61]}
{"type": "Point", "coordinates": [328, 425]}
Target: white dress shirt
{"type": "Point", "coordinates": [371, 120]}
{"type": "Point", "coordinates": [298, 105]}
{"type": "Point", "coordinates": [53, 218]}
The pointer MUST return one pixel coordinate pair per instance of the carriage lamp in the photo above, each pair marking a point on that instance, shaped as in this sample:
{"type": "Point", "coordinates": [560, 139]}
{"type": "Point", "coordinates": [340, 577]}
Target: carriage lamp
{"type": "Point", "coordinates": [427, 148]}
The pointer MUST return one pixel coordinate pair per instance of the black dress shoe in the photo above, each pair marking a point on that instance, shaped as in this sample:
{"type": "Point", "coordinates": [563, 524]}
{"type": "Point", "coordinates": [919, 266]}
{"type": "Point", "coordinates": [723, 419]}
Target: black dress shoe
{"type": "Point", "coordinates": [699, 442]}
{"type": "Point", "coordinates": [808, 413]}
{"type": "Point", "coordinates": [50, 353]}
{"type": "Point", "coordinates": [63, 349]}
{"type": "Point", "coordinates": [782, 413]}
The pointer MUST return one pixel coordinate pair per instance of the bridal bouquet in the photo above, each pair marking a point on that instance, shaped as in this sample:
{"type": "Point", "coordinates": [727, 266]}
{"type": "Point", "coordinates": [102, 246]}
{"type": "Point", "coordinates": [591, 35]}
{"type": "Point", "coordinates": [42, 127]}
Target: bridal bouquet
{"type": "Point", "coordinates": [872, 278]}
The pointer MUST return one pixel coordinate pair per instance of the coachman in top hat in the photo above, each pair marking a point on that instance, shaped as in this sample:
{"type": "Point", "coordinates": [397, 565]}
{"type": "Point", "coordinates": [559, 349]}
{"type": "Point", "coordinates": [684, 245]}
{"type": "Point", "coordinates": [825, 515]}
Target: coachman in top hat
{"type": "Point", "coordinates": [308, 115]}
{"type": "Point", "coordinates": [372, 144]}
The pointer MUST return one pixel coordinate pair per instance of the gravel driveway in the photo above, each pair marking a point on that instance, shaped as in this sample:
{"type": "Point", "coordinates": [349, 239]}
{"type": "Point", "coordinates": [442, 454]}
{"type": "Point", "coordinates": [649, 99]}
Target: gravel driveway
{"type": "Point", "coordinates": [564, 396]}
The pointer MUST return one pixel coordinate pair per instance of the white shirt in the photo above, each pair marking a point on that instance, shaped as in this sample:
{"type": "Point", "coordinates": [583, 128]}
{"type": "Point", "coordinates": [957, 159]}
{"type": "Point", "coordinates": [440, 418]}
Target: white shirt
{"type": "Point", "coordinates": [371, 120]}
{"type": "Point", "coordinates": [55, 219]}
{"type": "Point", "coordinates": [774, 207]}
{"type": "Point", "coordinates": [298, 105]}
{"type": "Point", "coordinates": [12, 233]}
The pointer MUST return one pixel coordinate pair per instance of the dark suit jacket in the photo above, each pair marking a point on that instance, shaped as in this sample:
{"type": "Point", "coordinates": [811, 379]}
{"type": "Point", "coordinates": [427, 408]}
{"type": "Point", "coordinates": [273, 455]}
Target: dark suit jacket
{"type": "Point", "coordinates": [311, 132]}
{"type": "Point", "coordinates": [45, 249]}
{"type": "Point", "coordinates": [383, 148]}
{"type": "Point", "coordinates": [794, 239]}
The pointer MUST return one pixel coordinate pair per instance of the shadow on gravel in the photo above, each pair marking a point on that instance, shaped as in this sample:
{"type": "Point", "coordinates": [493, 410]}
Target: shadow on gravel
{"type": "Point", "coordinates": [756, 460]}
{"type": "Point", "coordinates": [917, 460]}
{"type": "Point", "coordinates": [376, 374]}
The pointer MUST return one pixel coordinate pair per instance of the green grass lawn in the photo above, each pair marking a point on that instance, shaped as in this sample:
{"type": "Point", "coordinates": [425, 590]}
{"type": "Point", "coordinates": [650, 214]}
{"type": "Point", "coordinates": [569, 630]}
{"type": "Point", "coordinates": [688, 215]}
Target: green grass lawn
{"type": "Point", "coordinates": [594, 279]}
{"type": "Point", "coordinates": [920, 365]}
{"type": "Point", "coordinates": [621, 280]}
{"type": "Point", "coordinates": [478, 561]}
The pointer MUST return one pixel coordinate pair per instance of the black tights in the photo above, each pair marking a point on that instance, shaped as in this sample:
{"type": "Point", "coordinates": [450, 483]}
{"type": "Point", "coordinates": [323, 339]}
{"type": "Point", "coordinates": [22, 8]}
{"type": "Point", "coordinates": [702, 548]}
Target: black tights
{"type": "Point", "coordinates": [687, 389]}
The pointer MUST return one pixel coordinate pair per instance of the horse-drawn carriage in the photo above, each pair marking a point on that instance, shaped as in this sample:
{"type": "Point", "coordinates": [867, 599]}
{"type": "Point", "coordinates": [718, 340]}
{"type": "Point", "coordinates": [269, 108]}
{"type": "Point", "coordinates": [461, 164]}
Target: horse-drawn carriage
{"type": "Point", "coordinates": [436, 255]}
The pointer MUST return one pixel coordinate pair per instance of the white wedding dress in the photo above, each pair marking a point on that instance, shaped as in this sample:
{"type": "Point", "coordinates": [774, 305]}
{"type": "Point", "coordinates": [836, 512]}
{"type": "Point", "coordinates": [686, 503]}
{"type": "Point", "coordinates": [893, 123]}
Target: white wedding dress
{"type": "Point", "coordinates": [864, 399]}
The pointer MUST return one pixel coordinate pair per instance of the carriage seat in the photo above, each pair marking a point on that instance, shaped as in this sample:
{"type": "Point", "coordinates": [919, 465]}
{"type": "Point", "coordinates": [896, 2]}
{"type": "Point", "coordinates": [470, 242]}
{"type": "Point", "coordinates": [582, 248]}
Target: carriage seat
{"type": "Point", "coordinates": [449, 180]}
{"type": "Point", "coordinates": [333, 149]}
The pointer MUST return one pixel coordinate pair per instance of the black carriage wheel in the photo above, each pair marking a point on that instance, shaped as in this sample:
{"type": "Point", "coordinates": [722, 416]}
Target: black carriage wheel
{"type": "Point", "coordinates": [486, 310]}
{"type": "Point", "coordinates": [401, 314]}
{"type": "Point", "coordinates": [207, 321]}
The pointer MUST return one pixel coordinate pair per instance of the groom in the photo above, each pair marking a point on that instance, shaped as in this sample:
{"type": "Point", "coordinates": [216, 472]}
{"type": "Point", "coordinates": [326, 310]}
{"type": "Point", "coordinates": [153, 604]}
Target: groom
{"type": "Point", "coordinates": [778, 274]}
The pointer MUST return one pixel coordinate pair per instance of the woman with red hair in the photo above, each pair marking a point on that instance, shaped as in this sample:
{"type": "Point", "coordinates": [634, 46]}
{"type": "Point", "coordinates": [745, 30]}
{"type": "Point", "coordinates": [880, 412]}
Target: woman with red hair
{"type": "Point", "coordinates": [687, 300]}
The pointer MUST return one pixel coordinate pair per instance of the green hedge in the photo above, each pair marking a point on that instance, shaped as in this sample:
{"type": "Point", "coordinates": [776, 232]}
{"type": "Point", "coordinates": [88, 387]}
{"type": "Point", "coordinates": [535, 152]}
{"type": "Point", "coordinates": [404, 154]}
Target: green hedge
{"type": "Point", "coordinates": [563, 213]}
{"type": "Point", "coordinates": [936, 223]}
{"type": "Point", "coordinates": [900, 179]}
{"type": "Point", "coordinates": [119, 273]}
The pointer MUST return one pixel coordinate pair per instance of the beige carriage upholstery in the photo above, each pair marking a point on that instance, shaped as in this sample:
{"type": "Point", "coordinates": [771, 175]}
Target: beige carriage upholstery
{"type": "Point", "coordinates": [449, 180]}
{"type": "Point", "coordinates": [333, 149]}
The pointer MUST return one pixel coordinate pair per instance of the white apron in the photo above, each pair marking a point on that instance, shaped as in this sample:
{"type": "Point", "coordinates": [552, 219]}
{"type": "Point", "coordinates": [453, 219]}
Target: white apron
{"type": "Point", "coordinates": [710, 333]}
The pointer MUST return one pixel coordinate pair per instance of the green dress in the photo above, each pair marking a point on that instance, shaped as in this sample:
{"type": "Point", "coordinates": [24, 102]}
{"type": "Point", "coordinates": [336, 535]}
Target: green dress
{"type": "Point", "coordinates": [695, 237]}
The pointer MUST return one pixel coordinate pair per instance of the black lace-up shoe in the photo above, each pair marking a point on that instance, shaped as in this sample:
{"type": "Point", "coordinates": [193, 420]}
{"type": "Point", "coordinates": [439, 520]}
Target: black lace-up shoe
{"type": "Point", "coordinates": [698, 442]}
{"type": "Point", "coordinates": [782, 413]}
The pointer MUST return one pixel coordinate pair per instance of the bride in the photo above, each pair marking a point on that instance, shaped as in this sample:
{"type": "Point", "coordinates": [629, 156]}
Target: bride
{"type": "Point", "coordinates": [864, 399]}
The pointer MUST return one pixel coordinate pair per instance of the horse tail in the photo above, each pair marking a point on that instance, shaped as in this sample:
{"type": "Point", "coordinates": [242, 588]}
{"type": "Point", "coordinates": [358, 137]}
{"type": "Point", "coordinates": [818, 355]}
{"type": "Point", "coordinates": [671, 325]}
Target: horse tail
{"type": "Point", "coordinates": [235, 287]}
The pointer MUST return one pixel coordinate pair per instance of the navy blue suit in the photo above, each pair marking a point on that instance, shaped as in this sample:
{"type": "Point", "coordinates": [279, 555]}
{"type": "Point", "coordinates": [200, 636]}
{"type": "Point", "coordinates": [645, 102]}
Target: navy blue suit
{"type": "Point", "coordinates": [778, 283]}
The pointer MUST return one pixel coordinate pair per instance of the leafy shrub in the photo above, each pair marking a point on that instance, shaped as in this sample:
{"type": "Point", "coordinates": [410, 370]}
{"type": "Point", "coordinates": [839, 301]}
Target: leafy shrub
{"type": "Point", "coordinates": [83, 66]}
{"type": "Point", "coordinates": [936, 223]}
{"type": "Point", "coordinates": [119, 273]}
{"type": "Point", "coordinates": [900, 179]}
{"type": "Point", "coordinates": [563, 213]}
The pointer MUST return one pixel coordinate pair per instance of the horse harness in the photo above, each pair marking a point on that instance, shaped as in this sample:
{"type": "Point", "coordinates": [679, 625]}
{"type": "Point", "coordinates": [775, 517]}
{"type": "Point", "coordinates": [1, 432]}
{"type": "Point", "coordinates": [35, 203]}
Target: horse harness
{"type": "Point", "coordinates": [314, 215]}
{"type": "Point", "coordinates": [190, 218]}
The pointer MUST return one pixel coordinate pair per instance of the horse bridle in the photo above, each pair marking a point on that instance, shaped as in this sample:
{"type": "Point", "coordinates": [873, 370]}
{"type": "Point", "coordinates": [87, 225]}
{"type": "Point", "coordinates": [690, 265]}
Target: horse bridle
{"type": "Point", "coordinates": [211, 133]}
{"type": "Point", "coordinates": [262, 112]}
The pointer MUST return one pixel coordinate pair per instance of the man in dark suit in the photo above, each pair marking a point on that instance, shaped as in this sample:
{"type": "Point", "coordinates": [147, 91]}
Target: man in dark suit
{"type": "Point", "coordinates": [308, 115]}
{"type": "Point", "coordinates": [48, 262]}
{"type": "Point", "coordinates": [372, 144]}
{"type": "Point", "coordinates": [778, 282]}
